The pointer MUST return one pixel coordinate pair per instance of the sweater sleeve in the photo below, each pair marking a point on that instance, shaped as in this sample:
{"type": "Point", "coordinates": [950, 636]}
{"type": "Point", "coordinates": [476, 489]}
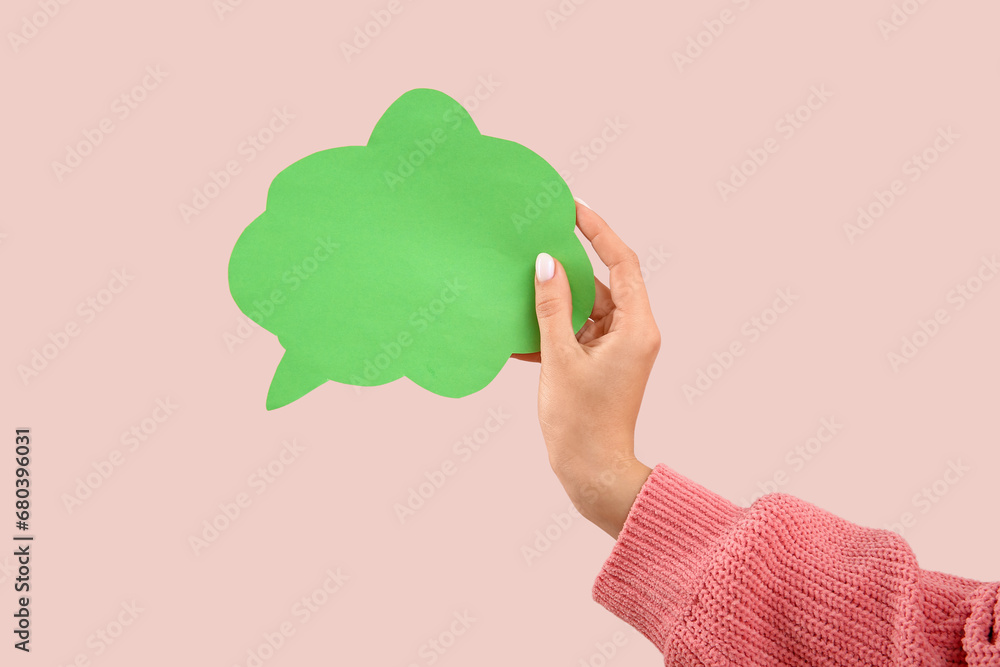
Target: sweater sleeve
{"type": "Point", "coordinates": [783, 582]}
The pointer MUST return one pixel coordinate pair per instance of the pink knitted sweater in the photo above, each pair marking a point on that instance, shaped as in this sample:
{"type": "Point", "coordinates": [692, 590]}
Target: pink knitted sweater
{"type": "Point", "coordinates": [785, 583]}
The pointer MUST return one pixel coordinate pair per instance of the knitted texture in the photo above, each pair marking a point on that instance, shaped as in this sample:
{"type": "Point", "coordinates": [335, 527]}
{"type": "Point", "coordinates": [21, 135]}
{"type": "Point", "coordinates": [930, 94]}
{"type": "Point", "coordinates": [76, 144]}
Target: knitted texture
{"type": "Point", "coordinates": [783, 582]}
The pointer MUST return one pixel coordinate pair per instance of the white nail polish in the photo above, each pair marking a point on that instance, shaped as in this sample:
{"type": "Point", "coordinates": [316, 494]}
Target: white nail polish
{"type": "Point", "coordinates": [545, 268]}
{"type": "Point", "coordinates": [582, 202]}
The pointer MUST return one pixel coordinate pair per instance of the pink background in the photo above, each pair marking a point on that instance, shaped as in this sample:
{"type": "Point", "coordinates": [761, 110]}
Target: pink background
{"type": "Point", "coordinates": [555, 88]}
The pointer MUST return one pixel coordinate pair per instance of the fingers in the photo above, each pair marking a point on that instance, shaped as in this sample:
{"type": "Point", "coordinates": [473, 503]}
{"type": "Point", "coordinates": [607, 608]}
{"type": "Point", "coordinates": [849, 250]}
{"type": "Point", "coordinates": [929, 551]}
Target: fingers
{"type": "Point", "coordinates": [602, 306]}
{"type": "Point", "coordinates": [591, 331]}
{"type": "Point", "coordinates": [628, 291]}
{"type": "Point", "coordinates": [553, 303]}
{"type": "Point", "coordinates": [554, 307]}
{"type": "Point", "coordinates": [588, 332]}
{"type": "Point", "coordinates": [603, 303]}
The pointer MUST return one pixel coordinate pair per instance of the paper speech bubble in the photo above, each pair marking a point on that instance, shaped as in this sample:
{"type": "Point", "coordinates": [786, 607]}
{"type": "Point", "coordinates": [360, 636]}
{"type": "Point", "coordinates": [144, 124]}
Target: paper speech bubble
{"type": "Point", "coordinates": [410, 257]}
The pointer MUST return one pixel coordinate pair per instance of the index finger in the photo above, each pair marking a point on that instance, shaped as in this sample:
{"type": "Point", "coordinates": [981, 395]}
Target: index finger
{"type": "Point", "coordinates": [628, 290]}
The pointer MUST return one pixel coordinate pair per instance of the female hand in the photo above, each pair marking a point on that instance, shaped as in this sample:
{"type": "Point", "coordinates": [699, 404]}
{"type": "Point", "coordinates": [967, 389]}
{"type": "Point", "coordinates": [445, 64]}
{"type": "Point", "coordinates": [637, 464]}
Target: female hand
{"type": "Point", "coordinates": [591, 384]}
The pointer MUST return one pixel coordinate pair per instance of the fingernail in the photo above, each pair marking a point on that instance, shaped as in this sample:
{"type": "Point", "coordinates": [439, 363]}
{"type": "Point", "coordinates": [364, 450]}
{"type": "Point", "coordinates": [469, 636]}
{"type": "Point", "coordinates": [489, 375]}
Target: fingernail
{"type": "Point", "coordinates": [583, 202]}
{"type": "Point", "coordinates": [545, 267]}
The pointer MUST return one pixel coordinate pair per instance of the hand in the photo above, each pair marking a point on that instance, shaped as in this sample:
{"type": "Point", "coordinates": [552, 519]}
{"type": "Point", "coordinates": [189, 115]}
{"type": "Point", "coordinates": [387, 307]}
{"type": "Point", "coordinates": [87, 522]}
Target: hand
{"type": "Point", "coordinates": [591, 383]}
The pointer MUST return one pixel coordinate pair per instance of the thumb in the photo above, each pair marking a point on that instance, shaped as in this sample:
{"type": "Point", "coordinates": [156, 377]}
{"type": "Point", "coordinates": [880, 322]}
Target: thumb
{"type": "Point", "coordinates": [553, 306]}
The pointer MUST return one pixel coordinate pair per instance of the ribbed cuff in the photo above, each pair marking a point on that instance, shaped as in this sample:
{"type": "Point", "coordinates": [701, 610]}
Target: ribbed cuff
{"type": "Point", "coordinates": [657, 565]}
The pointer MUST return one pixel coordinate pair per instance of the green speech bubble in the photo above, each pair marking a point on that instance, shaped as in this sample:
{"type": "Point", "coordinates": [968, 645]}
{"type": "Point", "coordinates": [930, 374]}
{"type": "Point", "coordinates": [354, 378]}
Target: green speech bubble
{"type": "Point", "coordinates": [410, 257]}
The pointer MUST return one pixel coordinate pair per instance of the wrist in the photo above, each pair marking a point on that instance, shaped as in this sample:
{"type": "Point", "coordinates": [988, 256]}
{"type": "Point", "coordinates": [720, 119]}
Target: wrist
{"type": "Point", "coordinates": [605, 497]}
